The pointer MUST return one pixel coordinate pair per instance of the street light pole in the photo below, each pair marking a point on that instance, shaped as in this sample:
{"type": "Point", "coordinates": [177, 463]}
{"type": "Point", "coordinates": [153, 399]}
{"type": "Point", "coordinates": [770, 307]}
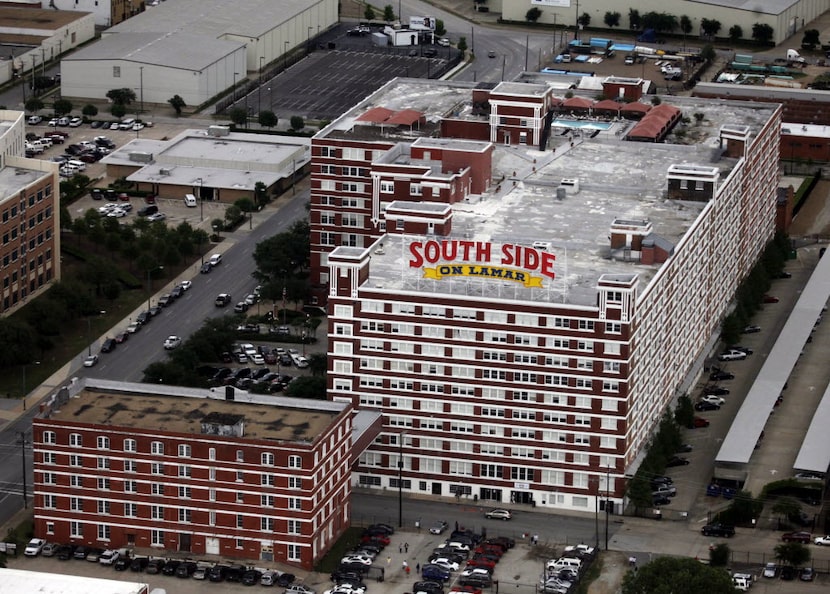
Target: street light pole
{"type": "Point", "coordinates": [233, 89]}
{"type": "Point", "coordinates": [201, 201]}
{"type": "Point", "coordinates": [259, 87]}
{"type": "Point", "coordinates": [141, 84]}
{"type": "Point", "coordinates": [607, 502]}
{"type": "Point", "coordinates": [22, 443]}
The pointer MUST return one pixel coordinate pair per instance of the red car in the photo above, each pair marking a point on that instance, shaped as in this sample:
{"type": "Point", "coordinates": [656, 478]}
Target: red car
{"type": "Point", "coordinates": [770, 299]}
{"type": "Point", "coordinates": [481, 562]}
{"type": "Point", "coordinates": [802, 537]}
{"type": "Point", "coordinates": [465, 590]}
{"type": "Point", "coordinates": [379, 538]}
{"type": "Point", "coordinates": [489, 550]}
{"type": "Point", "coordinates": [698, 422]}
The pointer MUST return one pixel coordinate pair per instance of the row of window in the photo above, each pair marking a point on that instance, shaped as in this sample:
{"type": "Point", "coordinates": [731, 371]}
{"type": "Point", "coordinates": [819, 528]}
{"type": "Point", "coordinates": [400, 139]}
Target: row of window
{"type": "Point", "coordinates": [156, 469]}
{"type": "Point", "coordinates": [161, 512]}
{"type": "Point", "coordinates": [20, 208]}
{"type": "Point", "coordinates": [157, 448]}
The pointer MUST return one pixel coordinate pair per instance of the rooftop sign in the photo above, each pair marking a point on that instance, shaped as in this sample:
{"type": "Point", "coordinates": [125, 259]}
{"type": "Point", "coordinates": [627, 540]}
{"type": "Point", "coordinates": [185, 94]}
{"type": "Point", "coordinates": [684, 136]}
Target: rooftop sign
{"type": "Point", "coordinates": [455, 257]}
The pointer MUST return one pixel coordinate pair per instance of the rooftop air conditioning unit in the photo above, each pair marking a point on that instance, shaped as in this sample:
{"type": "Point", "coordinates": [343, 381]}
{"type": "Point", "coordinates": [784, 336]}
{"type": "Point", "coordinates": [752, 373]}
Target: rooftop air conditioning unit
{"type": "Point", "coordinates": [164, 171]}
{"type": "Point", "coordinates": [219, 131]}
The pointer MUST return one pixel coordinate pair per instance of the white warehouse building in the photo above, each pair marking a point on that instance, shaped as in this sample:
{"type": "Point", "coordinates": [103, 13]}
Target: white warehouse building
{"type": "Point", "coordinates": [193, 48]}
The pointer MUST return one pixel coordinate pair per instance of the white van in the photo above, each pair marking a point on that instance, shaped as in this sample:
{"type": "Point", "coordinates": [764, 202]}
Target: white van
{"type": "Point", "coordinates": [79, 165]}
{"type": "Point", "coordinates": [190, 200]}
{"type": "Point", "coordinates": [126, 124]}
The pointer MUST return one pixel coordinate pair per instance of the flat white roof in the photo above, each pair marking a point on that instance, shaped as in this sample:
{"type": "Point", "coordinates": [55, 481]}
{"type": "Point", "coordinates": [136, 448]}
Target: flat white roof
{"type": "Point", "coordinates": [19, 581]}
{"type": "Point", "coordinates": [809, 130]}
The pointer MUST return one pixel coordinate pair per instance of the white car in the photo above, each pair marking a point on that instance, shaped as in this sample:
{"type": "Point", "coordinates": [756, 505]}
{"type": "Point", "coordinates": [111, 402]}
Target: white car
{"type": "Point", "coordinates": [114, 126]}
{"type": "Point", "coordinates": [185, 284]}
{"type": "Point", "coordinates": [90, 361]}
{"type": "Point", "coordinates": [475, 571]}
{"type": "Point", "coordinates": [34, 547]}
{"type": "Point", "coordinates": [109, 557]}
{"type": "Point", "coordinates": [770, 570]}
{"type": "Point", "coordinates": [138, 126]}
{"type": "Point", "coordinates": [172, 342]}
{"type": "Point", "coordinates": [257, 359]}
{"type": "Point", "coordinates": [215, 259]}
{"type": "Point", "coordinates": [445, 563]}
{"type": "Point", "coordinates": [712, 399]}
{"type": "Point", "coordinates": [299, 361]}
{"type": "Point", "coordinates": [53, 122]}
{"type": "Point", "coordinates": [117, 213]}
{"type": "Point", "coordinates": [822, 540]}
{"type": "Point", "coordinates": [34, 120]}
{"type": "Point", "coordinates": [156, 216]}
{"type": "Point", "coordinates": [75, 122]}
{"type": "Point", "coordinates": [133, 327]}
{"type": "Point", "coordinates": [299, 589]}
{"type": "Point", "coordinates": [362, 559]}
{"type": "Point", "coordinates": [250, 299]}
{"type": "Point", "coordinates": [732, 355]}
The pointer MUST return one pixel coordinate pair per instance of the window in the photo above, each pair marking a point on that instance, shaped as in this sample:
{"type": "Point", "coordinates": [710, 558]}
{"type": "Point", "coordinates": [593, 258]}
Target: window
{"type": "Point", "coordinates": [103, 442]}
{"type": "Point", "coordinates": [387, 187]}
{"type": "Point", "coordinates": [50, 437]}
{"type": "Point", "coordinates": [156, 512]}
{"type": "Point", "coordinates": [240, 456]}
{"type": "Point", "coordinates": [76, 504]}
{"type": "Point", "coordinates": [267, 459]}
{"type": "Point", "coordinates": [490, 471]}
{"type": "Point", "coordinates": [103, 463]}
{"type": "Point", "coordinates": [586, 325]}
{"type": "Point", "coordinates": [50, 501]}
{"type": "Point", "coordinates": [561, 322]}
{"type": "Point", "coordinates": [156, 468]}
{"type": "Point", "coordinates": [76, 480]}
{"type": "Point", "coordinates": [157, 489]}
{"type": "Point", "coordinates": [184, 492]}
{"type": "Point", "coordinates": [76, 529]}
{"type": "Point", "coordinates": [185, 515]}
{"type": "Point", "coordinates": [266, 524]}
{"type": "Point", "coordinates": [103, 484]}
{"type": "Point", "coordinates": [295, 462]}
{"type": "Point", "coordinates": [611, 366]}
{"type": "Point", "coordinates": [266, 500]}
{"type": "Point", "coordinates": [103, 507]}
{"type": "Point", "coordinates": [519, 473]}
{"type": "Point", "coordinates": [130, 487]}
{"type": "Point", "coordinates": [294, 527]}
{"type": "Point", "coordinates": [295, 482]}
{"type": "Point", "coordinates": [76, 440]}
{"type": "Point", "coordinates": [49, 457]}
{"type": "Point", "coordinates": [116, 71]}
{"type": "Point", "coordinates": [267, 480]}
{"type": "Point", "coordinates": [130, 445]}
{"type": "Point", "coordinates": [157, 538]}
{"type": "Point", "coordinates": [184, 450]}
{"type": "Point", "coordinates": [131, 510]}
{"type": "Point", "coordinates": [293, 552]}
{"type": "Point", "coordinates": [294, 503]}
{"type": "Point", "coordinates": [157, 447]}
{"type": "Point", "coordinates": [130, 465]}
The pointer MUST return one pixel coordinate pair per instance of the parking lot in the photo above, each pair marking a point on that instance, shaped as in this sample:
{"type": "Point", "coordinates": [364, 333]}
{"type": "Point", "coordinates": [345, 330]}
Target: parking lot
{"type": "Point", "coordinates": [327, 82]}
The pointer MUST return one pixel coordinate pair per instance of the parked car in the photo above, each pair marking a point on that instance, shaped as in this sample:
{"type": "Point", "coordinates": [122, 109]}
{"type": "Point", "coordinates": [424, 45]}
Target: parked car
{"type": "Point", "coordinates": [807, 574]}
{"type": "Point", "coordinates": [699, 422]}
{"type": "Point", "coordinates": [109, 345]}
{"type": "Point", "coordinates": [171, 566]}
{"type": "Point", "coordinates": [109, 557]}
{"type": "Point", "coordinates": [65, 552]}
{"type": "Point", "coordinates": [215, 259]}
{"type": "Point", "coordinates": [722, 530]}
{"type": "Point", "coordinates": [715, 390]}
{"type": "Point", "coordinates": [438, 528]}
{"type": "Point", "coordinates": [34, 547]}
{"type": "Point", "coordinates": [770, 299]}
{"type": "Point", "coordinates": [712, 399]}
{"type": "Point", "coordinates": [788, 573]}
{"type": "Point", "coordinates": [91, 361]}
{"type": "Point", "coordinates": [171, 342]}
{"type": "Point", "coordinates": [719, 375]}
{"type": "Point", "coordinates": [705, 405]}
{"type": "Point", "coordinates": [732, 355]}
{"type": "Point", "coordinates": [222, 300]}
{"type": "Point", "coordinates": [677, 461]}
{"type": "Point", "coordinates": [802, 537]}
{"type": "Point", "coordinates": [770, 570]}
{"type": "Point", "coordinates": [50, 549]}
{"type": "Point", "coordinates": [433, 572]}
{"type": "Point", "coordinates": [139, 564]}
{"type": "Point", "coordinates": [736, 347]}
{"type": "Point", "coordinates": [822, 540]}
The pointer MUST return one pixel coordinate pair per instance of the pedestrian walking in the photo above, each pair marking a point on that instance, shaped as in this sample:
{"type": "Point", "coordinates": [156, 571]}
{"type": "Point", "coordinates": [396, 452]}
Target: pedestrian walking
{"type": "Point", "coordinates": [417, 568]}
{"type": "Point", "coordinates": [389, 560]}
{"type": "Point", "coordinates": [404, 565]}
{"type": "Point", "coordinates": [400, 549]}
{"type": "Point", "coordinates": [407, 570]}
{"type": "Point", "coordinates": [406, 547]}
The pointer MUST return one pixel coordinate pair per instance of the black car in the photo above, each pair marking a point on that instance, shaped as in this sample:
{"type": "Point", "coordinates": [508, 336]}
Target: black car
{"type": "Point", "coordinates": [788, 573]}
{"type": "Point", "coordinates": [217, 573]}
{"type": "Point", "coordinates": [122, 563]}
{"type": "Point", "coordinates": [477, 580]}
{"type": "Point", "coordinates": [109, 345]}
{"type": "Point", "coordinates": [385, 529]}
{"type": "Point", "coordinates": [81, 552]}
{"type": "Point", "coordinates": [677, 461]}
{"type": "Point", "coordinates": [206, 268]}
{"type": "Point", "coordinates": [347, 568]}
{"type": "Point", "coordinates": [287, 361]}
{"type": "Point", "coordinates": [715, 390]}
{"type": "Point", "coordinates": [719, 376]}
{"type": "Point", "coordinates": [718, 530]}
{"type": "Point", "coordinates": [143, 318]}
{"type": "Point", "coordinates": [154, 311]}
{"type": "Point", "coordinates": [503, 541]}
{"type": "Point", "coordinates": [251, 577]}
{"type": "Point", "coordinates": [685, 447]}
{"type": "Point", "coordinates": [139, 564]}
{"type": "Point", "coordinates": [429, 586]}
{"type": "Point", "coordinates": [704, 405]}
{"type": "Point", "coordinates": [165, 300]}
{"type": "Point", "coordinates": [155, 566]}
{"type": "Point", "coordinates": [285, 579]}
{"type": "Point", "coordinates": [170, 567]}
{"type": "Point", "coordinates": [177, 292]}
{"type": "Point", "coordinates": [185, 569]}
{"type": "Point", "coordinates": [234, 573]}
{"type": "Point", "coordinates": [65, 552]}
{"type": "Point", "coordinates": [346, 576]}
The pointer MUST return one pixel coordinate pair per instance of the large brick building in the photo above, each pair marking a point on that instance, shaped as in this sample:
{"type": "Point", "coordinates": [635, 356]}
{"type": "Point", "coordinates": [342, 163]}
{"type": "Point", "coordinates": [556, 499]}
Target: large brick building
{"type": "Point", "coordinates": [192, 470]}
{"type": "Point", "coordinates": [524, 315]}
{"type": "Point", "coordinates": [29, 217]}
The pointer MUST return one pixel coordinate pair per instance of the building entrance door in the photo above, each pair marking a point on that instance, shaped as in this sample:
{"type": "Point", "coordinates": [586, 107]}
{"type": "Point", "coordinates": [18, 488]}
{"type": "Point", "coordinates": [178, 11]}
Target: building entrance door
{"type": "Point", "coordinates": [211, 546]}
{"type": "Point", "coordinates": [436, 488]}
{"type": "Point", "coordinates": [184, 542]}
{"type": "Point", "coordinates": [521, 497]}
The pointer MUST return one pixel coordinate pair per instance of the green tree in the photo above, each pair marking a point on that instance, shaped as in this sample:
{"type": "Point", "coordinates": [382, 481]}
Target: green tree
{"type": "Point", "coordinates": [584, 19]}
{"type": "Point", "coordinates": [710, 27]}
{"type": "Point", "coordinates": [297, 123]}
{"type": "Point", "coordinates": [388, 13]}
{"type": "Point", "coordinates": [612, 19]}
{"type": "Point", "coordinates": [719, 555]}
{"type": "Point", "coordinates": [810, 39]}
{"type": "Point", "coordinates": [89, 110]}
{"type": "Point", "coordinates": [317, 364]}
{"type": "Point", "coordinates": [22, 336]}
{"type": "Point", "coordinates": [123, 96]}
{"type": "Point", "coordinates": [118, 110]}
{"type": "Point", "coordinates": [792, 553]}
{"type": "Point", "coordinates": [307, 387]}
{"type": "Point", "coordinates": [634, 20]}
{"type": "Point", "coordinates": [762, 33]}
{"type": "Point", "coordinates": [677, 576]}
{"type": "Point", "coordinates": [62, 107]}
{"type": "Point", "coordinates": [684, 412]}
{"type": "Point", "coordinates": [369, 13]}
{"type": "Point", "coordinates": [707, 53]}
{"type": "Point", "coordinates": [440, 29]}
{"type": "Point", "coordinates": [659, 21]}
{"type": "Point", "coordinates": [267, 119]}
{"type": "Point", "coordinates": [786, 508]}
{"type": "Point", "coordinates": [34, 105]}
{"type": "Point", "coordinates": [233, 215]}
{"type": "Point", "coordinates": [462, 44]}
{"type": "Point", "coordinates": [685, 24]}
{"type": "Point", "coordinates": [744, 508]}
{"type": "Point", "coordinates": [238, 115]}
{"type": "Point", "coordinates": [177, 103]}
{"type": "Point", "coordinates": [638, 491]}
{"type": "Point", "coordinates": [736, 33]}
{"type": "Point", "coordinates": [533, 15]}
